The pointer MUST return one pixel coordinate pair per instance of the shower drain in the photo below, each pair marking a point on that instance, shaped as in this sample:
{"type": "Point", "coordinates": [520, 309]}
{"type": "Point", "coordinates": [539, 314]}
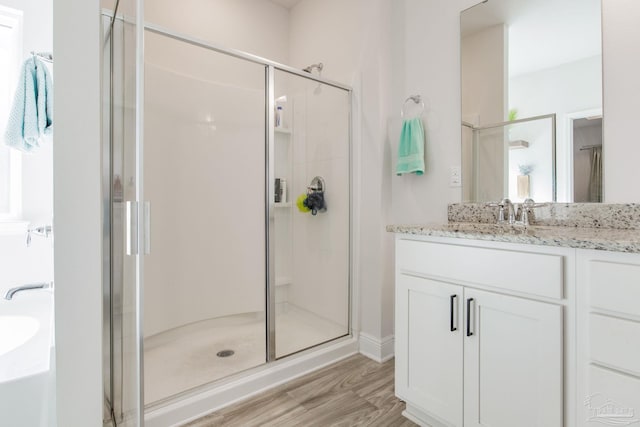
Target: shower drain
{"type": "Point", "coordinates": [225, 353]}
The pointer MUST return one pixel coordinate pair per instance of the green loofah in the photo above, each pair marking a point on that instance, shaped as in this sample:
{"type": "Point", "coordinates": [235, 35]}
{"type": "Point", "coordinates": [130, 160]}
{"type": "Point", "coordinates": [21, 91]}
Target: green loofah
{"type": "Point", "coordinates": [300, 203]}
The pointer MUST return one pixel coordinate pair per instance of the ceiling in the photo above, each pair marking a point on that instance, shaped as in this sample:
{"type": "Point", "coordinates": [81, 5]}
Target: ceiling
{"type": "Point", "coordinates": [542, 33]}
{"type": "Point", "coordinates": [286, 3]}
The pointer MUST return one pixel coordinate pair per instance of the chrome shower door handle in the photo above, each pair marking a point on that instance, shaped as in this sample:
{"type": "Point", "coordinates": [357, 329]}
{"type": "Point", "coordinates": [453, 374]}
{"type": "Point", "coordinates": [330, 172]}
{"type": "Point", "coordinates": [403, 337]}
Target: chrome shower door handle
{"type": "Point", "coordinates": [147, 228]}
{"type": "Point", "coordinates": [131, 232]}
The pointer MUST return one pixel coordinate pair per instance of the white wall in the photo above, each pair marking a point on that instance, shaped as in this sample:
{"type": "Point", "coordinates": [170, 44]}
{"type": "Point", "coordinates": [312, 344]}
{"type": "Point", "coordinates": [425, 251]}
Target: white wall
{"type": "Point", "coordinates": [566, 89]}
{"type": "Point", "coordinates": [537, 155]}
{"type": "Point", "coordinates": [255, 26]}
{"type": "Point", "coordinates": [77, 206]}
{"type": "Point", "coordinates": [329, 32]}
{"type": "Point", "coordinates": [483, 57]}
{"type": "Point", "coordinates": [484, 83]}
{"type": "Point", "coordinates": [431, 67]}
{"type": "Point", "coordinates": [20, 264]}
{"type": "Point", "coordinates": [621, 100]}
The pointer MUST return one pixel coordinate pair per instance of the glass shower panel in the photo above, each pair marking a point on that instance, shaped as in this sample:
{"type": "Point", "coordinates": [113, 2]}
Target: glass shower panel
{"type": "Point", "coordinates": [490, 177]}
{"type": "Point", "coordinates": [512, 159]}
{"type": "Point", "coordinates": [122, 385]}
{"type": "Point", "coordinates": [204, 177]}
{"type": "Point", "coordinates": [312, 252]}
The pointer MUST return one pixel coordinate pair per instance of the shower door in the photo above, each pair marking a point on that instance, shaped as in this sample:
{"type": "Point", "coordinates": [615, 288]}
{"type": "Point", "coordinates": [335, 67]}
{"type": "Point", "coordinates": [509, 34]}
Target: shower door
{"type": "Point", "coordinates": [204, 179]}
{"type": "Point", "coordinates": [311, 251]}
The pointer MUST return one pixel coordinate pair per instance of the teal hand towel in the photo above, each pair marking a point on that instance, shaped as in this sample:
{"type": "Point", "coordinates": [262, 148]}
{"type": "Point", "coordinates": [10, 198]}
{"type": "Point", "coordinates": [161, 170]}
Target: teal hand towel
{"type": "Point", "coordinates": [411, 148]}
{"type": "Point", "coordinates": [31, 116]}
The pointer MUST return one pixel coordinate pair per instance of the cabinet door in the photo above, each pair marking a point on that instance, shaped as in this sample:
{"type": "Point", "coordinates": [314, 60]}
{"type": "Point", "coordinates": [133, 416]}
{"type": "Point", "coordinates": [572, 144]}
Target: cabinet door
{"type": "Point", "coordinates": [513, 362]}
{"type": "Point", "coordinates": [428, 351]}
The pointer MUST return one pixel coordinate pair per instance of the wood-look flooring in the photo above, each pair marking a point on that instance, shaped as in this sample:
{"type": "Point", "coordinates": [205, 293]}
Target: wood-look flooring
{"type": "Point", "coordinates": [353, 392]}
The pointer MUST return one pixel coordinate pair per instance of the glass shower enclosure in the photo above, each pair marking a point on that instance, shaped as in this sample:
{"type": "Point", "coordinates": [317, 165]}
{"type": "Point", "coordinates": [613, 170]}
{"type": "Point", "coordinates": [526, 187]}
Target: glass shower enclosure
{"type": "Point", "coordinates": [228, 216]}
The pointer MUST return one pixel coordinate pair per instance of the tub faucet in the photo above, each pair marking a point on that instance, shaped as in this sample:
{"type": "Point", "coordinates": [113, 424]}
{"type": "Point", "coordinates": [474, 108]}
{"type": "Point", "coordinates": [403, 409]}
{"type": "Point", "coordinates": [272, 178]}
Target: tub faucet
{"type": "Point", "coordinates": [11, 292]}
{"type": "Point", "coordinates": [43, 230]}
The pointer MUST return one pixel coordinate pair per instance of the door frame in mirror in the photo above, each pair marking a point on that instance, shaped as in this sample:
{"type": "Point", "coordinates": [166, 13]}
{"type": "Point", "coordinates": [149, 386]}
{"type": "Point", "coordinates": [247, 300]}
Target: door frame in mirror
{"type": "Point", "coordinates": [567, 144]}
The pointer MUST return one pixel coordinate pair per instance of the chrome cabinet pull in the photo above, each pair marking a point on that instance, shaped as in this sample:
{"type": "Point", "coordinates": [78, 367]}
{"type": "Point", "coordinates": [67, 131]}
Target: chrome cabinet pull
{"type": "Point", "coordinates": [469, 301]}
{"type": "Point", "coordinates": [452, 304]}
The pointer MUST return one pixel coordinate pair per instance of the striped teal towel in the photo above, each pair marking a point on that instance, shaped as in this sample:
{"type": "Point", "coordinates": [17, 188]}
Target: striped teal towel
{"type": "Point", "coordinates": [32, 114]}
{"type": "Point", "coordinates": [411, 148]}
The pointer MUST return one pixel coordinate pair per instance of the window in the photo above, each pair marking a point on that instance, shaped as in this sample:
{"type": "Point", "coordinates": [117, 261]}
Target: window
{"type": "Point", "coordinates": [10, 160]}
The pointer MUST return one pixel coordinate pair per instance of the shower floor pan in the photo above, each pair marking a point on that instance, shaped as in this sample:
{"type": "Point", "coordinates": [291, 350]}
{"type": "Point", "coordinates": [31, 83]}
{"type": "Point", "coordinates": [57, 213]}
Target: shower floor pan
{"type": "Point", "coordinates": [186, 357]}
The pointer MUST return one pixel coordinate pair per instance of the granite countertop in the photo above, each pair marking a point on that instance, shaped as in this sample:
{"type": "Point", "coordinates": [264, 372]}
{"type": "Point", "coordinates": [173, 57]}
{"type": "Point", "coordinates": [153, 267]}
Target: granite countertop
{"type": "Point", "coordinates": [608, 227]}
{"type": "Point", "coordinates": [608, 239]}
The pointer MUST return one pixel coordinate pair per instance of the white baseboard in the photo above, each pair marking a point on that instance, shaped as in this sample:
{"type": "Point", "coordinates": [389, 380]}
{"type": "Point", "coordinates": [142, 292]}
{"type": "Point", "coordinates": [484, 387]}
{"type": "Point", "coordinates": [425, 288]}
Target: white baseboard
{"type": "Point", "coordinates": [379, 350]}
{"type": "Point", "coordinates": [206, 401]}
{"type": "Point", "coordinates": [422, 418]}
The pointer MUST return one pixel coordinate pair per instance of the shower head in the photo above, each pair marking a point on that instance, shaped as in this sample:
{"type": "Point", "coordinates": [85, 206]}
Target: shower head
{"type": "Point", "coordinates": [319, 66]}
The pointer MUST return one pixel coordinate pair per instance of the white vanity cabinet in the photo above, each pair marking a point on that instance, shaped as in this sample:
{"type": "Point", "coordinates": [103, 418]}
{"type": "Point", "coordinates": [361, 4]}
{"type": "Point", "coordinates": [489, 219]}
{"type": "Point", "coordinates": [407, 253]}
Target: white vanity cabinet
{"type": "Point", "coordinates": [479, 332]}
{"type": "Point", "coordinates": [608, 338]}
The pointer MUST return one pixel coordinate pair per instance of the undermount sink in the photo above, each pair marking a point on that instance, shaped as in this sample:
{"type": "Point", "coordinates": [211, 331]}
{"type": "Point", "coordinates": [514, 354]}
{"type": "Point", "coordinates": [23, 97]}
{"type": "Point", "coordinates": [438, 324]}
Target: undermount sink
{"type": "Point", "coordinates": [15, 331]}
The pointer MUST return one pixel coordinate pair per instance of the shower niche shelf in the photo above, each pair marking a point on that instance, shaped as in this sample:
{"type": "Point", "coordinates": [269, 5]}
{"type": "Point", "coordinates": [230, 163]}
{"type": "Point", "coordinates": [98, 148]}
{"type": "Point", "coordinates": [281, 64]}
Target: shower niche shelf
{"type": "Point", "coordinates": [284, 131]}
{"type": "Point", "coordinates": [283, 205]}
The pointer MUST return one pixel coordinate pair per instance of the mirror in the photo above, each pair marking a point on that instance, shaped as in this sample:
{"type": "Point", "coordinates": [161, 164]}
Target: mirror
{"type": "Point", "coordinates": [531, 77]}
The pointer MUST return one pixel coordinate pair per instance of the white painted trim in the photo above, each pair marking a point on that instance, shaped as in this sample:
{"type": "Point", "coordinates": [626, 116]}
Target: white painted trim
{"type": "Point", "coordinates": [12, 228]}
{"type": "Point", "coordinates": [567, 145]}
{"type": "Point", "coordinates": [13, 19]}
{"type": "Point", "coordinates": [203, 402]}
{"type": "Point", "coordinates": [376, 349]}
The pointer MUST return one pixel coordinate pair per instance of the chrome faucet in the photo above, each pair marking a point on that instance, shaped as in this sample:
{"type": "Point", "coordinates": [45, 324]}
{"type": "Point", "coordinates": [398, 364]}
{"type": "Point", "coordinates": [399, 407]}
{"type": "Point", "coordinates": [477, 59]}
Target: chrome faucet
{"type": "Point", "coordinates": [505, 204]}
{"type": "Point", "coordinates": [11, 292]}
{"type": "Point", "coordinates": [513, 213]}
{"type": "Point", "coordinates": [526, 209]}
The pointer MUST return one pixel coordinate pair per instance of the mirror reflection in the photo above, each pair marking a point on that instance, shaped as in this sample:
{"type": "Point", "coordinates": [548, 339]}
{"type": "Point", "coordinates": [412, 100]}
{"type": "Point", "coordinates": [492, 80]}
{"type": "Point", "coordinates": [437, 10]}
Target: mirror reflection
{"type": "Point", "coordinates": [531, 77]}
